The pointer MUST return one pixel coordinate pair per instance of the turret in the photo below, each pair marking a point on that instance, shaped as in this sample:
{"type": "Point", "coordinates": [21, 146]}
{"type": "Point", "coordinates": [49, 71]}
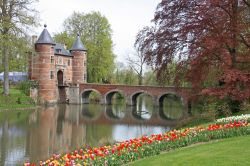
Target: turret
{"type": "Point", "coordinates": [79, 62]}
{"type": "Point", "coordinates": [44, 48]}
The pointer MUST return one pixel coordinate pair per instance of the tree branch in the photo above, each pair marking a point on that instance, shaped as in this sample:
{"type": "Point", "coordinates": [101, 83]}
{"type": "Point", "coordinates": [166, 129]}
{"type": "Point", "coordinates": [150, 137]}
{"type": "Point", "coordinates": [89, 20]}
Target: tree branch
{"type": "Point", "coordinates": [244, 40]}
{"type": "Point", "coordinates": [246, 2]}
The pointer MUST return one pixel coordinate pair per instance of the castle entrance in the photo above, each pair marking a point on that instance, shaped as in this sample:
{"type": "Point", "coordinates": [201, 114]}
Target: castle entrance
{"type": "Point", "coordinates": [60, 78]}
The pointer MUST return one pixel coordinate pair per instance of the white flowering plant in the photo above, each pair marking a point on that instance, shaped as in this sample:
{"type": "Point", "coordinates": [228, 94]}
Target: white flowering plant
{"type": "Point", "coordinates": [242, 117]}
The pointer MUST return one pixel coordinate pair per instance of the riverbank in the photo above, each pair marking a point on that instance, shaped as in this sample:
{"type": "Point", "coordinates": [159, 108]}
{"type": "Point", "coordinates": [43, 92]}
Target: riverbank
{"type": "Point", "coordinates": [230, 151]}
{"type": "Point", "coordinates": [17, 100]}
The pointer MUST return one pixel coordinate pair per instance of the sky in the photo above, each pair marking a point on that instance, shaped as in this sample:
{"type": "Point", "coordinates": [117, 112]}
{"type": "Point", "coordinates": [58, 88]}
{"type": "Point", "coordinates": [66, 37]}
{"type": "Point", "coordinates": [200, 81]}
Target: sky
{"type": "Point", "coordinates": [126, 17]}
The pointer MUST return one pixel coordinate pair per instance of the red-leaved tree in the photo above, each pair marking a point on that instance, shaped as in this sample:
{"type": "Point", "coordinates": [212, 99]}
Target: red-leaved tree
{"type": "Point", "coordinates": [210, 41]}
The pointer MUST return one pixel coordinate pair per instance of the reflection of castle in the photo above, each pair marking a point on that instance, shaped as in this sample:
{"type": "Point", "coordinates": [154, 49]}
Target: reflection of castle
{"type": "Point", "coordinates": [56, 69]}
{"type": "Point", "coordinates": [52, 133]}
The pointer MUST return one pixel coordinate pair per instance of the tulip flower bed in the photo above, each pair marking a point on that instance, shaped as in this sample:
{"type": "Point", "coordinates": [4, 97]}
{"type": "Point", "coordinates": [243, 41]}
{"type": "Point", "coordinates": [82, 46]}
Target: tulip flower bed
{"type": "Point", "coordinates": [133, 149]}
{"type": "Point", "coordinates": [245, 117]}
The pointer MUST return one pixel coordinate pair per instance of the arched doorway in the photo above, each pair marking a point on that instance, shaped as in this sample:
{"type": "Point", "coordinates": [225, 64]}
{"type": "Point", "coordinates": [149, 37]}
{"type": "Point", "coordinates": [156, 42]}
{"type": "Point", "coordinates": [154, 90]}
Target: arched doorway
{"type": "Point", "coordinates": [60, 78]}
{"type": "Point", "coordinates": [61, 87]}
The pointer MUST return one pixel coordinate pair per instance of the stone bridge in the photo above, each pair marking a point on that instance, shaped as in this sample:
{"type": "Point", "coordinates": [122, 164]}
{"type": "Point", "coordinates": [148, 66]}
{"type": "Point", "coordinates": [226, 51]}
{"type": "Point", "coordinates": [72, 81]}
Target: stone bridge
{"type": "Point", "coordinates": [131, 93]}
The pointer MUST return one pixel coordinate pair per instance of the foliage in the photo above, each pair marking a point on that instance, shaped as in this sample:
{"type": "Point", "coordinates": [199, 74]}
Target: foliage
{"type": "Point", "coordinates": [95, 32]}
{"type": "Point", "coordinates": [134, 149]}
{"type": "Point", "coordinates": [150, 78]}
{"type": "Point", "coordinates": [218, 108]}
{"type": "Point", "coordinates": [18, 56]}
{"type": "Point", "coordinates": [125, 76]}
{"type": "Point", "coordinates": [210, 41]}
{"type": "Point", "coordinates": [64, 38]}
{"type": "Point", "coordinates": [245, 106]}
{"type": "Point", "coordinates": [24, 86]}
{"type": "Point", "coordinates": [16, 17]}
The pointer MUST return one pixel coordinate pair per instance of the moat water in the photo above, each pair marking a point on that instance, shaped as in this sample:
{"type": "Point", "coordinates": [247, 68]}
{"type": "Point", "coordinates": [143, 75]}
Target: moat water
{"type": "Point", "coordinates": [31, 136]}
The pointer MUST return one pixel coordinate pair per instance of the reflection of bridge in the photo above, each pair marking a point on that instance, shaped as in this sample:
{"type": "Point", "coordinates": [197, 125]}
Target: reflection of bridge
{"type": "Point", "coordinates": [131, 93]}
{"type": "Point", "coordinates": [128, 116]}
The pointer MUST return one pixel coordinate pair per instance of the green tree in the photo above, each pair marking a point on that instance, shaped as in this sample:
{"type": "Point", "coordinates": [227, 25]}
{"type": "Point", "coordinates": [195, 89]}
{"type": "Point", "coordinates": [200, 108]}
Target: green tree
{"type": "Point", "coordinates": [64, 38]}
{"type": "Point", "coordinates": [125, 76]}
{"type": "Point", "coordinates": [16, 16]}
{"type": "Point", "coordinates": [95, 32]}
{"type": "Point", "coordinates": [18, 54]}
{"type": "Point", "coordinates": [150, 78]}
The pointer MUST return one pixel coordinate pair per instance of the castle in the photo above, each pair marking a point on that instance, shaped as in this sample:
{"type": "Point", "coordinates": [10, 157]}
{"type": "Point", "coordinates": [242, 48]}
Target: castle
{"type": "Point", "coordinates": [57, 71]}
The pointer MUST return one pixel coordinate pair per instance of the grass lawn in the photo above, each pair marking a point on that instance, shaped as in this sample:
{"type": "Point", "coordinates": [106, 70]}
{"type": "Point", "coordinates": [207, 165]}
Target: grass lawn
{"type": "Point", "coordinates": [15, 100]}
{"type": "Point", "coordinates": [231, 151]}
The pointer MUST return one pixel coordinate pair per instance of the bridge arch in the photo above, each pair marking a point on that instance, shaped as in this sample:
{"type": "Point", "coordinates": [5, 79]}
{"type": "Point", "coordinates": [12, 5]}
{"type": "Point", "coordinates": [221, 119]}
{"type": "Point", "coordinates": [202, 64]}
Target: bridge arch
{"type": "Point", "coordinates": [85, 95]}
{"type": "Point", "coordinates": [175, 108]}
{"type": "Point", "coordinates": [134, 96]}
{"type": "Point", "coordinates": [108, 96]}
{"type": "Point", "coordinates": [163, 96]}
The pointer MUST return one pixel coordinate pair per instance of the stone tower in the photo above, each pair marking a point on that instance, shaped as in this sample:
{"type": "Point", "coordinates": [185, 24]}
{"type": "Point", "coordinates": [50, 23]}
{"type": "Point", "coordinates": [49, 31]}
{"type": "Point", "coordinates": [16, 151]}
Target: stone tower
{"type": "Point", "coordinates": [45, 68]}
{"type": "Point", "coordinates": [79, 62]}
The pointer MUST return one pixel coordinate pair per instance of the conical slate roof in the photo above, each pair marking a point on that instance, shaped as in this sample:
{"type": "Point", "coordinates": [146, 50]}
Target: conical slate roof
{"type": "Point", "coordinates": [78, 46]}
{"type": "Point", "coordinates": [45, 37]}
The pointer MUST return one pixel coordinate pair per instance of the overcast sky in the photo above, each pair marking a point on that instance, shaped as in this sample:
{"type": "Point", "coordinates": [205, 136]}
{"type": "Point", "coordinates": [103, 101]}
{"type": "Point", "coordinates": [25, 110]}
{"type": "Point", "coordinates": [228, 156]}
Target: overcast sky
{"type": "Point", "coordinates": [126, 17]}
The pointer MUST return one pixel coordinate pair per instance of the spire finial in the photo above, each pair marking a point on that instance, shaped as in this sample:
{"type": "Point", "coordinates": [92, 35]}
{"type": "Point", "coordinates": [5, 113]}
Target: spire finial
{"type": "Point", "coordinates": [45, 25]}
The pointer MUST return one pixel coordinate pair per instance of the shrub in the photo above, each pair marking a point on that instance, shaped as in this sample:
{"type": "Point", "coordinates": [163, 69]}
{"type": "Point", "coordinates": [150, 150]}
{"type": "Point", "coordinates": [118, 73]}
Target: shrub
{"type": "Point", "coordinates": [24, 86]}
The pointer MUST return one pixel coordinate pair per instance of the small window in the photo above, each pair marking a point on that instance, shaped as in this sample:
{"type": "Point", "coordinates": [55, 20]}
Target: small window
{"type": "Point", "coordinates": [60, 61]}
{"type": "Point", "coordinates": [52, 59]}
{"type": "Point", "coordinates": [51, 74]}
{"type": "Point", "coordinates": [84, 63]}
{"type": "Point", "coordinates": [69, 62]}
{"type": "Point", "coordinates": [58, 50]}
{"type": "Point", "coordinates": [85, 77]}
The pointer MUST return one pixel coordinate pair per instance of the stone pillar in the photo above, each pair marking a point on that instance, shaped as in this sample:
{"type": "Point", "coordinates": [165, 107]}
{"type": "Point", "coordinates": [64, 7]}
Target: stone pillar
{"type": "Point", "coordinates": [73, 95]}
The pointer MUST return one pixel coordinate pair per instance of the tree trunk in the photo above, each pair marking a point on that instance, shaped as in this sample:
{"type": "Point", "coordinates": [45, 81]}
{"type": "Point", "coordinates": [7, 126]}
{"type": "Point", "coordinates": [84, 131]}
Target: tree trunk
{"type": "Point", "coordinates": [140, 77]}
{"type": "Point", "coordinates": [4, 142]}
{"type": "Point", "coordinates": [6, 88]}
{"type": "Point", "coordinates": [234, 19]}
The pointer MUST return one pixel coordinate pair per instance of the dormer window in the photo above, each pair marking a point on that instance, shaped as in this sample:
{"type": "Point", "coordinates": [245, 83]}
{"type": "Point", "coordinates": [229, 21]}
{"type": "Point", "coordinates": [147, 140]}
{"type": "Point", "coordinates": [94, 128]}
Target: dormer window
{"type": "Point", "coordinates": [58, 50]}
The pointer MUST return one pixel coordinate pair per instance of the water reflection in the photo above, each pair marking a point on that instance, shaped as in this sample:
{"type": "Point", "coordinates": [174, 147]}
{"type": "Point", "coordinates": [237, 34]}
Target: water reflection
{"type": "Point", "coordinates": [63, 128]}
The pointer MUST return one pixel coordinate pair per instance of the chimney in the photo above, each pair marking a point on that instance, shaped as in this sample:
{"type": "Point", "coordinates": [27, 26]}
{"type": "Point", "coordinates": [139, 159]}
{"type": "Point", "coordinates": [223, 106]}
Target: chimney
{"type": "Point", "coordinates": [34, 39]}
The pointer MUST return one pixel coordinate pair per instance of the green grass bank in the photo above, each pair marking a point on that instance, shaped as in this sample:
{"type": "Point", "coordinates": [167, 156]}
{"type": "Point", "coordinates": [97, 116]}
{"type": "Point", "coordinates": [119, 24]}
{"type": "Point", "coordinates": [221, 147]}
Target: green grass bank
{"type": "Point", "coordinates": [230, 151]}
{"type": "Point", "coordinates": [17, 100]}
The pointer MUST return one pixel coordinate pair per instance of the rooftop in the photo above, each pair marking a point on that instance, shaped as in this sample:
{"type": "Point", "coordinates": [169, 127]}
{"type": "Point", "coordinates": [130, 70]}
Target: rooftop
{"type": "Point", "coordinates": [78, 46]}
{"type": "Point", "coordinates": [45, 37]}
